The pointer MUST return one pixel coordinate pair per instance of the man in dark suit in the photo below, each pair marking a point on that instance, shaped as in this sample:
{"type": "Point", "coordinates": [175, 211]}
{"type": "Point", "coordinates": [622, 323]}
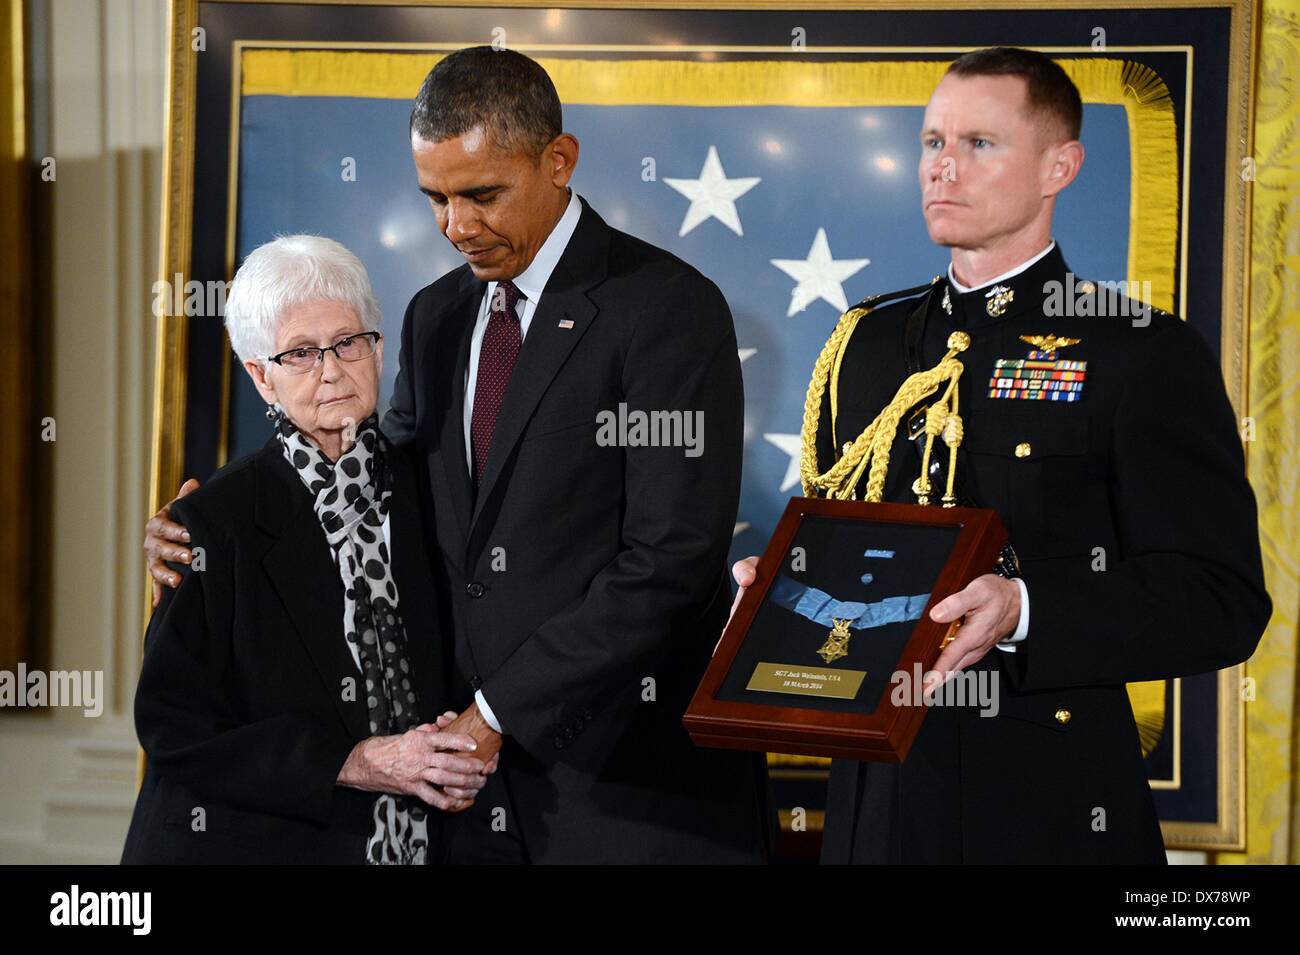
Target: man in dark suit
{"type": "Point", "coordinates": [583, 568]}
{"type": "Point", "coordinates": [1100, 431]}
{"type": "Point", "coordinates": [575, 395]}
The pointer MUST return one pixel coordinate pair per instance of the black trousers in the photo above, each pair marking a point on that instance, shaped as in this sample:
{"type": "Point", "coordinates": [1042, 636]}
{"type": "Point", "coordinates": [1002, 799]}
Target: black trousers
{"type": "Point", "coordinates": [487, 833]}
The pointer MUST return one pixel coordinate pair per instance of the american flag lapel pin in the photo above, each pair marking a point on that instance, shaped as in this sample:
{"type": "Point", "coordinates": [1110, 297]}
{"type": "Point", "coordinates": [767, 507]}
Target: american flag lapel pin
{"type": "Point", "coordinates": [566, 323]}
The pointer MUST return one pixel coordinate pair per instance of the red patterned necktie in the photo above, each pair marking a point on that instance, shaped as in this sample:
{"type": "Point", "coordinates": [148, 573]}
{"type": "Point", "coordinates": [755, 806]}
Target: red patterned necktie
{"type": "Point", "coordinates": [496, 361]}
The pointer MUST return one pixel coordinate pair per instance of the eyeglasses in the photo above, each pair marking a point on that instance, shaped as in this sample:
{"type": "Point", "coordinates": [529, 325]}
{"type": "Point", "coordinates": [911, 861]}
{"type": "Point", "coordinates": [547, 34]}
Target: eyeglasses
{"type": "Point", "coordinates": [299, 361]}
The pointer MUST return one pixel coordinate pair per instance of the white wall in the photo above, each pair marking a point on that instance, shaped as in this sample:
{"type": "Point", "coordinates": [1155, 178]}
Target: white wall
{"type": "Point", "coordinates": [98, 94]}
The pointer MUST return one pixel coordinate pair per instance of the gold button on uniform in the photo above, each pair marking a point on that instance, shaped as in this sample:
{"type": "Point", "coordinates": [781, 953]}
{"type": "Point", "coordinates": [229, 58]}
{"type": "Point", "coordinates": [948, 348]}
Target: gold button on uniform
{"type": "Point", "coordinates": [1024, 449]}
{"type": "Point", "coordinates": [1062, 716]}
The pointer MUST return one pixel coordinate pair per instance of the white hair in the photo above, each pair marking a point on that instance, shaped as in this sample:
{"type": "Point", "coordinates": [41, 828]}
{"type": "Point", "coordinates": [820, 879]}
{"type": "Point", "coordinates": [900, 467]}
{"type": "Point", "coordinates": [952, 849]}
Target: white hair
{"type": "Point", "coordinates": [284, 273]}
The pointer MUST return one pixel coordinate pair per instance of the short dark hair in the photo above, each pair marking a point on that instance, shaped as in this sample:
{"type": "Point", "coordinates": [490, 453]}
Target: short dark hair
{"type": "Point", "coordinates": [505, 92]}
{"type": "Point", "coordinates": [1050, 90]}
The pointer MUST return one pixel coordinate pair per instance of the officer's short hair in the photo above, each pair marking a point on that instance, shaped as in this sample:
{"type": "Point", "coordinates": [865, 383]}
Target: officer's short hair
{"type": "Point", "coordinates": [505, 92]}
{"type": "Point", "coordinates": [1050, 90]}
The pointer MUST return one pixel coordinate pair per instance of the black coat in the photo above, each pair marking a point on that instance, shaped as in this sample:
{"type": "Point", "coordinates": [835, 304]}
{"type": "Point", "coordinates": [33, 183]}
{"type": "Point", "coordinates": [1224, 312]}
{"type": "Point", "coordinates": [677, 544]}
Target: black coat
{"type": "Point", "coordinates": [588, 584]}
{"type": "Point", "coordinates": [1147, 466]}
{"type": "Point", "coordinates": [241, 707]}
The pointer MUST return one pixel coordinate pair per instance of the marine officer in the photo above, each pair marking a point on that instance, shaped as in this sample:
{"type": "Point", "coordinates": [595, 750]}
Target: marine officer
{"type": "Point", "coordinates": [1100, 431]}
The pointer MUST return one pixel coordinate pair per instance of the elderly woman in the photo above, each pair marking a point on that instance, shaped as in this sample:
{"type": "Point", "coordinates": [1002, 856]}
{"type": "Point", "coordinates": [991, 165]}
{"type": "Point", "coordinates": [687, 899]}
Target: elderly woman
{"type": "Point", "coordinates": [290, 685]}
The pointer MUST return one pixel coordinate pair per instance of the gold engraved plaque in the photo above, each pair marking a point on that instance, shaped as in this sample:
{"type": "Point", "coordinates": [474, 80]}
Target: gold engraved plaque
{"type": "Point", "coordinates": [807, 681]}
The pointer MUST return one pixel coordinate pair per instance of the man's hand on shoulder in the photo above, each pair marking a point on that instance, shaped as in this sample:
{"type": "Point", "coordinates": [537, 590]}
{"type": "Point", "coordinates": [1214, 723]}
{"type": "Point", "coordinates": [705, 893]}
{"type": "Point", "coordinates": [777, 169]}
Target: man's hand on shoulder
{"type": "Point", "coordinates": [165, 540]}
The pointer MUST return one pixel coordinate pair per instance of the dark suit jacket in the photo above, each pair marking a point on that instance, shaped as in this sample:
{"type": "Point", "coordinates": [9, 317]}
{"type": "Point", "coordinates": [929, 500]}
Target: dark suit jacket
{"type": "Point", "coordinates": [241, 707]}
{"type": "Point", "coordinates": [588, 584]}
{"type": "Point", "coordinates": [1147, 466]}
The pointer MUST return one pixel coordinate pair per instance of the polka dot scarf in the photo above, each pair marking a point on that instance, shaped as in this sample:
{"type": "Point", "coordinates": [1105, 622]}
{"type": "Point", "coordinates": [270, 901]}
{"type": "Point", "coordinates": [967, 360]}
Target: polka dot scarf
{"type": "Point", "coordinates": [351, 504]}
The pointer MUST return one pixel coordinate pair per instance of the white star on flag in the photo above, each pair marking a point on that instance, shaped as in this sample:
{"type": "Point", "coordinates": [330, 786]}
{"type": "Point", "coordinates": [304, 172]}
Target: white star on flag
{"type": "Point", "coordinates": [712, 195]}
{"type": "Point", "coordinates": [740, 527]}
{"type": "Point", "coordinates": [819, 276]}
{"type": "Point", "coordinates": [746, 353]}
{"type": "Point", "coordinates": [792, 445]}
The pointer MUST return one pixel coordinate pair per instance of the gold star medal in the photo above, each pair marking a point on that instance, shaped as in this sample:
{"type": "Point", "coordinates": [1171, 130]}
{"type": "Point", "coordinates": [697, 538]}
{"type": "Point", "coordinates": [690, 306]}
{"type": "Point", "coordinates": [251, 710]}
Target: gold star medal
{"type": "Point", "coordinates": [837, 644]}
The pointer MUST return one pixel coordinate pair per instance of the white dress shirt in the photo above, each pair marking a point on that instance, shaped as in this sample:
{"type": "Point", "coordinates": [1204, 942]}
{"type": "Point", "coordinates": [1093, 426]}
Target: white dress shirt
{"type": "Point", "coordinates": [532, 283]}
{"type": "Point", "coordinates": [1001, 278]}
{"type": "Point", "coordinates": [1022, 627]}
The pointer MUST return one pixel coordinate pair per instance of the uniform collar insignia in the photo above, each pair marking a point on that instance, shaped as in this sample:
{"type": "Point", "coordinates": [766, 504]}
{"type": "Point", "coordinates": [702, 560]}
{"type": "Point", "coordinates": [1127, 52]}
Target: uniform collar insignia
{"type": "Point", "coordinates": [998, 298]}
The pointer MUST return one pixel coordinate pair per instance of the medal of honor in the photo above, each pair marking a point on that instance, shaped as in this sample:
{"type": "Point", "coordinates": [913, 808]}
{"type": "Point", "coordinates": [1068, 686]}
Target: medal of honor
{"type": "Point", "coordinates": [837, 644]}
